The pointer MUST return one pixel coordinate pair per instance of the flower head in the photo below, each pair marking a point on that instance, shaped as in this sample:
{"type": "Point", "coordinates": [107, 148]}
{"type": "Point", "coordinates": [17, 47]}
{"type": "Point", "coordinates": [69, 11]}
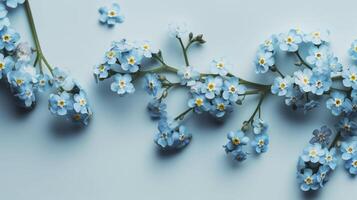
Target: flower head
{"type": "Point", "coordinates": [312, 153]}
{"type": "Point", "coordinates": [350, 77]}
{"type": "Point", "coordinates": [152, 84]}
{"type": "Point", "coordinates": [220, 107]}
{"type": "Point", "coordinates": [13, 3]}
{"type": "Point", "coordinates": [336, 103]}
{"type": "Point", "coordinates": [102, 71]}
{"type": "Point", "coordinates": [130, 61]}
{"type": "Point", "coordinates": [320, 83]}
{"type": "Point", "coordinates": [178, 29]}
{"type": "Point", "coordinates": [282, 86]}
{"type": "Point", "coordinates": [147, 49]}
{"type": "Point", "coordinates": [8, 39]}
{"type": "Point", "coordinates": [321, 136]}
{"type": "Point", "coordinates": [302, 79]}
{"type": "Point", "coordinates": [259, 126]}
{"type": "Point", "coordinates": [199, 103]}
{"type": "Point", "coordinates": [80, 104]}
{"type": "Point", "coordinates": [43, 82]}
{"type": "Point", "coordinates": [6, 65]}
{"type": "Point", "coordinates": [188, 75]}
{"type": "Point", "coordinates": [219, 66]}
{"type": "Point", "coordinates": [122, 84]}
{"type": "Point", "coordinates": [111, 16]}
{"type": "Point", "coordinates": [347, 127]}
{"type": "Point", "coordinates": [353, 50]}
{"type": "Point", "coordinates": [318, 56]}
{"type": "Point", "coordinates": [351, 165]}
{"type": "Point", "coordinates": [317, 37]}
{"type": "Point", "coordinates": [212, 86]}
{"type": "Point", "coordinates": [157, 108]}
{"type": "Point", "coordinates": [60, 103]}
{"type": "Point", "coordinates": [232, 89]}
{"type": "Point", "coordinates": [260, 143]}
{"type": "Point", "coordinates": [263, 61]}
{"type": "Point", "coordinates": [308, 180]}
{"type": "Point", "coordinates": [290, 41]}
{"type": "Point", "coordinates": [235, 140]}
{"type": "Point", "coordinates": [348, 150]}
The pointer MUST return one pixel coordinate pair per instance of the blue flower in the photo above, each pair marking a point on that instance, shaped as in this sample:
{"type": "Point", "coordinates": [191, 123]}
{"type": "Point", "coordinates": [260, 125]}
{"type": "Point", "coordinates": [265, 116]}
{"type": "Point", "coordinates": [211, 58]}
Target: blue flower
{"type": "Point", "coordinates": [26, 94]}
{"type": "Point", "coordinates": [260, 143]}
{"type": "Point", "coordinates": [111, 56]}
{"type": "Point", "coordinates": [289, 42]}
{"type": "Point", "coordinates": [6, 65]}
{"type": "Point", "coordinates": [308, 180]}
{"type": "Point", "coordinates": [181, 137]}
{"type": "Point", "coordinates": [79, 117]}
{"type": "Point", "coordinates": [130, 61]}
{"type": "Point", "coordinates": [80, 104]}
{"type": "Point", "coordinates": [302, 79]}
{"type": "Point", "coordinates": [238, 154]}
{"type": "Point", "coordinates": [178, 30]}
{"type": "Point", "coordinates": [4, 20]}
{"type": "Point", "coordinates": [268, 44]}
{"type": "Point", "coordinates": [259, 126]}
{"type": "Point", "coordinates": [335, 103]}
{"type": "Point", "coordinates": [152, 84]}
{"type": "Point", "coordinates": [295, 99]}
{"type": "Point", "coordinates": [232, 89]}
{"type": "Point", "coordinates": [351, 165]}
{"type": "Point", "coordinates": [219, 66]}
{"type": "Point", "coordinates": [18, 78]}
{"type": "Point", "coordinates": [61, 79]}
{"type": "Point", "coordinates": [146, 49]}
{"type": "Point", "coordinates": [188, 75]}
{"type": "Point", "coordinates": [60, 103]}
{"type": "Point", "coordinates": [320, 83]}
{"type": "Point", "coordinates": [212, 86]}
{"type": "Point", "coordinates": [321, 136]}
{"type": "Point", "coordinates": [350, 77]}
{"type": "Point", "coordinates": [334, 64]}
{"type": "Point", "coordinates": [318, 56]}
{"type": "Point", "coordinates": [322, 174]}
{"type": "Point", "coordinates": [220, 107]}
{"type": "Point", "coordinates": [102, 71]}
{"type": "Point", "coordinates": [8, 38]}
{"type": "Point", "coordinates": [347, 127]}
{"type": "Point", "coordinates": [348, 150]}
{"type": "Point", "coordinates": [111, 16]}
{"type": "Point", "coordinates": [263, 61]}
{"type": "Point", "coordinates": [171, 135]}
{"type": "Point", "coordinates": [43, 82]}
{"type": "Point", "coordinates": [282, 86]}
{"type": "Point", "coordinates": [236, 139]}
{"type": "Point", "coordinates": [13, 3]}
{"type": "Point", "coordinates": [329, 159]}
{"type": "Point", "coordinates": [353, 50]}
{"type": "Point", "coordinates": [122, 84]}
{"type": "Point", "coordinates": [312, 153]}
{"type": "Point", "coordinates": [317, 37]}
{"type": "Point", "coordinates": [199, 103]}
{"type": "Point", "coordinates": [157, 108]}
{"type": "Point", "coordinates": [123, 46]}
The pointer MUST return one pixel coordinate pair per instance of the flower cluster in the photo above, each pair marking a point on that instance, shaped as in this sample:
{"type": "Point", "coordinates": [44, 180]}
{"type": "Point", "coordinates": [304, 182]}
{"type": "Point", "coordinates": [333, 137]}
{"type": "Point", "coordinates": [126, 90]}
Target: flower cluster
{"type": "Point", "coordinates": [26, 75]}
{"type": "Point", "coordinates": [320, 158]}
{"type": "Point", "coordinates": [215, 93]}
{"type": "Point", "coordinates": [111, 16]}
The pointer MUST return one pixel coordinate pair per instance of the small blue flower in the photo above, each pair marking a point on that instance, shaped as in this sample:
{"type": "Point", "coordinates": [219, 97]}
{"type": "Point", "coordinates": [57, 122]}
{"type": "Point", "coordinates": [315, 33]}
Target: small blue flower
{"type": "Point", "coordinates": [6, 65]}
{"type": "Point", "coordinates": [18, 78]}
{"type": "Point", "coordinates": [152, 84]}
{"type": "Point", "coordinates": [61, 79]}
{"type": "Point", "coordinates": [43, 82]}
{"type": "Point", "coordinates": [178, 30]}
{"type": "Point", "coordinates": [335, 103]}
{"type": "Point", "coordinates": [302, 79]}
{"type": "Point", "coordinates": [26, 94]}
{"type": "Point", "coordinates": [259, 126]}
{"type": "Point", "coordinates": [330, 158]}
{"type": "Point", "coordinates": [348, 150]}
{"type": "Point", "coordinates": [111, 56]}
{"type": "Point", "coordinates": [289, 42]}
{"type": "Point", "coordinates": [212, 86]}
{"type": "Point", "coordinates": [320, 83]}
{"type": "Point", "coordinates": [188, 75]}
{"type": "Point", "coordinates": [157, 108]}
{"type": "Point", "coordinates": [321, 136]}
{"type": "Point", "coordinates": [122, 84]}
{"type": "Point", "coordinates": [236, 139]}
{"type": "Point", "coordinates": [351, 165]}
{"type": "Point", "coordinates": [347, 127]}
{"type": "Point", "coordinates": [199, 103]}
{"type": "Point", "coordinates": [123, 46]}
{"type": "Point", "coordinates": [269, 44]}
{"type": "Point", "coordinates": [8, 39]}
{"type": "Point", "coordinates": [322, 174]}
{"type": "Point", "coordinates": [317, 37]}
{"type": "Point", "coordinates": [102, 71]}
{"type": "Point", "coordinates": [60, 103]}
{"type": "Point", "coordinates": [263, 61]}
{"type": "Point", "coordinates": [295, 99]}
{"type": "Point", "coordinates": [238, 154]}
{"type": "Point", "coordinates": [232, 89]}
{"type": "Point", "coordinates": [220, 66]}
{"type": "Point", "coordinates": [282, 86]}
{"type": "Point", "coordinates": [260, 143]}
{"type": "Point", "coordinates": [79, 117]}
{"type": "Point", "coordinates": [130, 61]}
{"type": "Point", "coordinates": [334, 65]}
{"type": "Point", "coordinates": [171, 135]}
{"type": "Point", "coordinates": [312, 153]}
{"type": "Point", "coordinates": [353, 50]}
{"type": "Point", "coordinates": [318, 56]}
{"type": "Point", "coordinates": [13, 3]}
{"type": "Point", "coordinates": [146, 49]}
{"type": "Point", "coordinates": [111, 16]}
{"type": "Point", "coordinates": [308, 180]}
{"type": "Point", "coordinates": [80, 104]}
{"type": "Point", "coordinates": [181, 137]}
{"type": "Point", "coordinates": [220, 107]}
{"type": "Point", "coordinates": [350, 77]}
{"type": "Point", "coordinates": [4, 20]}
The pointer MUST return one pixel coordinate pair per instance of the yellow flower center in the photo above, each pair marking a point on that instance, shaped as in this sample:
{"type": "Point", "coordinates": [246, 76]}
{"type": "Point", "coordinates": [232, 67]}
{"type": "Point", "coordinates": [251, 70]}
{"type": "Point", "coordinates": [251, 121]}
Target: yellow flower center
{"type": "Point", "coordinates": [6, 37]}
{"type": "Point", "coordinates": [353, 77]}
{"type": "Point", "coordinates": [2, 65]}
{"type": "Point", "coordinates": [61, 103]}
{"type": "Point", "coordinates": [355, 48]}
{"type": "Point", "coordinates": [261, 61]}
{"type": "Point", "coordinates": [354, 163]}
{"type": "Point", "coordinates": [211, 86]}
{"type": "Point", "coordinates": [221, 107]}
{"type": "Point", "coordinates": [289, 40]}
{"type": "Point", "coordinates": [76, 117]}
{"type": "Point", "coordinates": [146, 47]}
{"type": "Point", "coordinates": [316, 34]}
{"type": "Point", "coordinates": [232, 89]}
{"type": "Point", "coordinates": [338, 102]}
{"type": "Point", "coordinates": [220, 65]}
{"type": "Point", "coordinates": [110, 54]}
{"type": "Point", "coordinates": [101, 68]}
{"type": "Point", "coordinates": [199, 102]}
{"type": "Point", "coordinates": [236, 141]}
{"type": "Point", "coordinates": [350, 150]}
{"type": "Point", "coordinates": [318, 55]}
{"type": "Point", "coordinates": [329, 158]}
{"type": "Point", "coordinates": [267, 42]}
{"type": "Point", "coordinates": [19, 82]}
{"type": "Point", "coordinates": [318, 84]}
{"type": "Point", "coordinates": [308, 180]}
{"type": "Point", "coordinates": [131, 60]}
{"type": "Point", "coordinates": [42, 82]}
{"type": "Point", "coordinates": [112, 13]}
{"type": "Point", "coordinates": [122, 84]}
{"type": "Point", "coordinates": [82, 102]}
{"type": "Point", "coordinates": [306, 80]}
{"type": "Point", "coordinates": [261, 143]}
{"type": "Point", "coordinates": [313, 153]}
{"type": "Point", "coordinates": [282, 86]}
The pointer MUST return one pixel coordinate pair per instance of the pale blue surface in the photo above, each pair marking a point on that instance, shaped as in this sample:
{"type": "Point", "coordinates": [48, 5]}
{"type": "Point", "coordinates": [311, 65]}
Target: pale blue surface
{"type": "Point", "coordinates": [115, 158]}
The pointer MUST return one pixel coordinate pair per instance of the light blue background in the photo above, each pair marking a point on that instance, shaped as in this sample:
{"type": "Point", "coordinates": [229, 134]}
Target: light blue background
{"type": "Point", "coordinates": [115, 158]}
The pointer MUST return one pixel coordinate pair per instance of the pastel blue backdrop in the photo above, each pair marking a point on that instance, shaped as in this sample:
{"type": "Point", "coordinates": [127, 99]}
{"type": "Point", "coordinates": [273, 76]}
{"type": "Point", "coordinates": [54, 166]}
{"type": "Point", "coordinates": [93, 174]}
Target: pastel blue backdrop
{"type": "Point", "coordinates": [115, 158]}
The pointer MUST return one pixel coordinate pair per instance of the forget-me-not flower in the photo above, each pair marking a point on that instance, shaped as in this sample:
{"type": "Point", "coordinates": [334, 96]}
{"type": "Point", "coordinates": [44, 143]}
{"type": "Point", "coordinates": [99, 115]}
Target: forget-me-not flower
{"type": "Point", "coordinates": [8, 39]}
{"type": "Point", "coordinates": [312, 153]}
{"type": "Point", "coordinates": [336, 102]}
{"type": "Point", "coordinates": [13, 3]}
{"type": "Point", "coordinates": [353, 50]}
{"type": "Point", "coordinates": [212, 86]}
{"type": "Point", "coordinates": [321, 136]}
{"type": "Point", "coordinates": [260, 143]}
{"type": "Point", "coordinates": [152, 84]}
{"type": "Point", "coordinates": [259, 126]}
{"type": "Point", "coordinates": [6, 65]}
{"type": "Point", "coordinates": [282, 86]}
{"type": "Point", "coordinates": [232, 89]}
{"type": "Point", "coordinates": [347, 127]}
{"type": "Point", "coordinates": [26, 94]}
{"type": "Point", "coordinates": [348, 150]}
{"type": "Point", "coordinates": [130, 61]}
{"type": "Point", "coordinates": [80, 104]}
{"type": "Point", "coordinates": [320, 83]}
{"type": "Point", "coordinates": [43, 82]}
{"type": "Point", "coordinates": [122, 84]}
{"type": "Point", "coordinates": [302, 79]}
{"type": "Point", "coordinates": [350, 77]}
{"type": "Point", "coordinates": [263, 61]}
{"type": "Point", "coordinates": [329, 159]}
{"type": "Point", "coordinates": [351, 165]}
{"type": "Point", "coordinates": [147, 49]}
{"type": "Point", "coordinates": [157, 108]}
{"type": "Point", "coordinates": [219, 66]}
{"type": "Point", "coordinates": [290, 41]}
{"type": "Point", "coordinates": [60, 103]}
{"type": "Point", "coordinates": [220, 107]}
{"type": "Point", "coordinates": [101, 71]}
{"type": "Point", "coordinates": [199, 103]}
{"type": "Point", "coordinates": [317, 37]}
{"type": "Point", "coordinates": [188, 75]}
{"type": "Point", "coordinates": [235, 139]}
{"type": "Point", "coordinates": [318, 56]}
{"type": "Point", "coordinates": [178, 29]}
{"type": "Point", "coordinates": [308, 180]}
{"type": "Point", "coordinates": [111, 15]}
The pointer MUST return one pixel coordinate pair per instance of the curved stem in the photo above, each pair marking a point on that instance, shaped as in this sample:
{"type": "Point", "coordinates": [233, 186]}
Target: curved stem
{"type": "Point", "coordinates": [302, 60]}
{"type": "Point", "coordinates": [335, 140]}
{"type": "Point", "coordinates": [184, 50]}
{"type": "Point", "coordinates": [258, 107]}
{"type": "Point", "coordinates": [182, 115]}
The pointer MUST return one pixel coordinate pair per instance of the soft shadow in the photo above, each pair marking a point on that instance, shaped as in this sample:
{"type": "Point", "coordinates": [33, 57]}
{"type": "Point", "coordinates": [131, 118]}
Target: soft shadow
{"type": "Point", "coordinates": [65, 129]}
{"type": "Point", "coordinates": [312, 194]}
{"type": "Point", "coordinates": [168, 154]}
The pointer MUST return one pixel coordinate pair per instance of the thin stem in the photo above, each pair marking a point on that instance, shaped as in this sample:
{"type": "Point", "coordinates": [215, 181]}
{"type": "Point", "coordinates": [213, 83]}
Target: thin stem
{"type": "Point", "coordinates": [258, 85]}
{"type": "Point", "coordinates": [182, 115]}
{"type": "Point", "coordinates": [184, 51]}
{"type": "Point", "coordinates": [335, 140]}
{"type": "Point", "coordinates": [279, 72]}
{"type": "Point", "coordinates": [302, 60]}
{"type": "Point", "coordinates": [257, 108]}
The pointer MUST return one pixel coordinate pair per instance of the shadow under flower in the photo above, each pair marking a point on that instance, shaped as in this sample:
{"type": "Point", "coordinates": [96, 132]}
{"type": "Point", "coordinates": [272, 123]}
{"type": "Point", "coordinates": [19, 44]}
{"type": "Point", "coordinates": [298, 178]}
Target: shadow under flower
{"type": "Point", "coordinates": [64, 129]}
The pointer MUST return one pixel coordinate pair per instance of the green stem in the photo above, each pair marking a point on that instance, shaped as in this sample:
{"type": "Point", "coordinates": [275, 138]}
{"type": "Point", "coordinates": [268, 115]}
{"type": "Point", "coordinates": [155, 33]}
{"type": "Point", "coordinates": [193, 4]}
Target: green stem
{"type": "Point", "coordinates": [258, 85]}
{"type": "Point", "coordinates": [258, 107]}
{"type": "Point", "coordinates": [279, 72]}
{"type": "Point", "coordinates": [31, 21]}
{"type": "Point", "coordinates": [182, 115]}
{"type": "Point", "coordinates": [335, 140]}
{"type": "Point", "coordinates": [302, 60]}
{"type": "Point", "coordinates": [184, 51]}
